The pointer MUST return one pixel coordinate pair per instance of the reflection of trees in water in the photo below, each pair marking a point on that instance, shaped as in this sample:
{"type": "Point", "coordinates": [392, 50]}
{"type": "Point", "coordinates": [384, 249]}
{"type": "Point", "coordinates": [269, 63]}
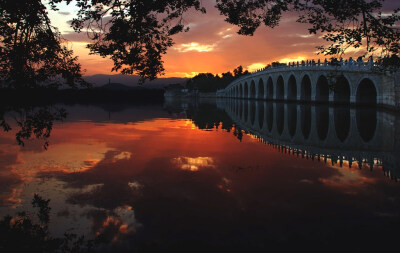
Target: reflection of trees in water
{"type": "Point", "coordinates": [35, 235]}
{"type": "Point", "coordinates": [208, 116]}
{"type": "Point", "coordinates": [31, 122]}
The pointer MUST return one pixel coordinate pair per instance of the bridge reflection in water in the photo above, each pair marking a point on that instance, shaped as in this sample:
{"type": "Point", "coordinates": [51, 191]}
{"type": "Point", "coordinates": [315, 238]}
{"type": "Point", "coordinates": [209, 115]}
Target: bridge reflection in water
{"type": "Point", "coordinates": [340, 135]}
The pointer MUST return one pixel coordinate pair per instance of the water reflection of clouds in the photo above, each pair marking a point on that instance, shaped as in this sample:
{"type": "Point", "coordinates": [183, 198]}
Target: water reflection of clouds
{"type": "Point", "coordinates": [193, 163]}
{"type": "Point", "coordinates": [348, 178]}
{"type": "Point", "coordinates": [10, 179]}
{"type": "Point", "coordinates": [144, 186]}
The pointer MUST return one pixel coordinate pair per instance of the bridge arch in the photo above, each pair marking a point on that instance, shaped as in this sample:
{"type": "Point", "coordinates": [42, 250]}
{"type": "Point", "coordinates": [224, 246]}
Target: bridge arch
{"type": "Point", "coordinates": [292, 88]}
{"type": "Point", "coordinates": [280, 88]}
{"type": "Point", "coordinates": [252, 89]}
{"type": "Point", "coordinates": [240, 90]}
{"type": "Point", "coordinates": [270, 88]}
{"type": "Point", "coordinates": [305, 93]}
{"type": "Point", "coordinates": [261, 92]}
{"type": "Point", "coordinates": [322, 90]}
{"type": "Point", "coordinates": [366, 92]}
{"type": "Point", "coordinates": [341, 91]}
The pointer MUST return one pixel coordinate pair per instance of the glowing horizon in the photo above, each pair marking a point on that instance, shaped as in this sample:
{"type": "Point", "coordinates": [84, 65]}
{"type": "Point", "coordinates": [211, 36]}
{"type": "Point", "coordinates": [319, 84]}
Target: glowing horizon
{"type": "Point", "coordinates": [211, 46]}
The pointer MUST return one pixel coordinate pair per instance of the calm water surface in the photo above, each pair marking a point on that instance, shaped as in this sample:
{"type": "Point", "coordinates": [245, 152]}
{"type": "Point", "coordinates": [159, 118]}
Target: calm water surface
{"type": "Point", "coordinates": [235, 175]}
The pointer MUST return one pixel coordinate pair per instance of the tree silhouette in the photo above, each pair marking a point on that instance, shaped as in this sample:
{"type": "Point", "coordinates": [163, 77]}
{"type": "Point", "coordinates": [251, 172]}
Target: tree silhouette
{"type": "Point", "coordinates": [207, 82]}
{"type": "Point", "coordinates": [31, 53]}
{"type": "Point", "coordinates": [343, 24]}
{"type": "Point", "coordinates": [135, 34]}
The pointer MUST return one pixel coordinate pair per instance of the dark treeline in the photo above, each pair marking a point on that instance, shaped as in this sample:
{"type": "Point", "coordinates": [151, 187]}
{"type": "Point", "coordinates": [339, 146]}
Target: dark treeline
{"type": "Point", "coordinates": [208, 82]}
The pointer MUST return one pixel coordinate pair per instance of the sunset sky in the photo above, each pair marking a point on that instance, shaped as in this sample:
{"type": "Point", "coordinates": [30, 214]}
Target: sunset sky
{"type": "Point", "coordinates": [211, 45]}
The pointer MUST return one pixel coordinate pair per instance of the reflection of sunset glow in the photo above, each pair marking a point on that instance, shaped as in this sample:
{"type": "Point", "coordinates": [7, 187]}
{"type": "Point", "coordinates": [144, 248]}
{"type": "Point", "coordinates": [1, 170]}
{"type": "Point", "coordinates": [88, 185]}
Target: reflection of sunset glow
{"type": "Point", "coordinates": [193, 164]}
{"type": "Point", "coordinates": [123, 155]}
{"type": "Point", "coordinates": [134, 185]}
{"type": "Point", "coordinates": [113, 224]}
{"type": "Point", "coordinates": [14, 199]}
{"type": "Point", "coordinates": [347, 178]}
{"type": "Point", "coordinates": [225, 185]}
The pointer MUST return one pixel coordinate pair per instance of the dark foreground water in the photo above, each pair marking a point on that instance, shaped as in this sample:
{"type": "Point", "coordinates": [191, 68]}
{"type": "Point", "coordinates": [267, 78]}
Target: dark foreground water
{"type": "Point", "coordinates": [207, 177]}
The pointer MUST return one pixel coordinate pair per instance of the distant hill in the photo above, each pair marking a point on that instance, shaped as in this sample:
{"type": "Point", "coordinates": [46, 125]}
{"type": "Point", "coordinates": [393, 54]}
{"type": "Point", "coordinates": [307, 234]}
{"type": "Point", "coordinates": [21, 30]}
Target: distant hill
{"type": "Point", "coordinates": [131, 81]}
{"type": "Point", "coordinates": [120, 86]}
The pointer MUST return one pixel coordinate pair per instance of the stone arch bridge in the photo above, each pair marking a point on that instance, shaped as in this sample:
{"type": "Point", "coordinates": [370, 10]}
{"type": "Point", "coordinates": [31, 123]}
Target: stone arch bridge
{"type": "Point", "coordinates": [354, 83]}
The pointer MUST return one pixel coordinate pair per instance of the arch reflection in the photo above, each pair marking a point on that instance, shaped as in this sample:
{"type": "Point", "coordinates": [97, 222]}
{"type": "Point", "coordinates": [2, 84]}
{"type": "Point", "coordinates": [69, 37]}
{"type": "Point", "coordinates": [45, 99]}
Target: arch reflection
{"type": "Point", "coordinates": [342, 122]}
{"type": "Point", "coordinates": [280, 117]}
{"type": "Point", "coordinates": [360, 136]}
{"type": "Point", "coordinates": [292, 119]}
{"type": "Point", "coordinates": [252, 112]}
{"type": "Point", "coordinates": [305, 112]}
{"type": "Point", "coordinates": [261, 114]}
{"type": "Point", "coordinates": [322, 121]}
{"type": "Point", "coordinates": [270, 116]}
{"type": "Point", "coordinates": [366, 123]}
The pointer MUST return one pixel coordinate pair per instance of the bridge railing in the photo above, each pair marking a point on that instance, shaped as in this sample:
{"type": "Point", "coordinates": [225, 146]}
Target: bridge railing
{"type": "Point", "coordinates": [341, 64]}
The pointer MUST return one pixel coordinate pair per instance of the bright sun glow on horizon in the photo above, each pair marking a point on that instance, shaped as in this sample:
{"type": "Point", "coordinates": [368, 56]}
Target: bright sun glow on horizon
{"type": "Point", "coordinates": [255, 66]}
{"type": "Point", "coordinates": [293, 59]}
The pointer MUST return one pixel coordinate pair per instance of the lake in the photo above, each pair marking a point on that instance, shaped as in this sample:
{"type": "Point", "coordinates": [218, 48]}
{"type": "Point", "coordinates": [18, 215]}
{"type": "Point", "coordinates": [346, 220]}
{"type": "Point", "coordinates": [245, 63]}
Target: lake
{"type": "Point", "coordinates": [207, 175]}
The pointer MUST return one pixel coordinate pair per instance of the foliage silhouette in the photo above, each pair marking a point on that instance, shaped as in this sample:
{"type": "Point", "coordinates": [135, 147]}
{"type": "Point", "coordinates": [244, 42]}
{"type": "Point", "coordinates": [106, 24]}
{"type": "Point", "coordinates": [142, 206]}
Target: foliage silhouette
{"type": "Point", "coordinates": [207, 82]}
{"type": "Point", "coordinates": [36, 236]}
{"type": "Point", "coordinates": [343, 24]}
{"type": "Point", "coordinates": [31, 53]}
{"type": "Point", "coordinates": [135, 34]}
{"type": "Point", "coordinates": [33, 122]}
